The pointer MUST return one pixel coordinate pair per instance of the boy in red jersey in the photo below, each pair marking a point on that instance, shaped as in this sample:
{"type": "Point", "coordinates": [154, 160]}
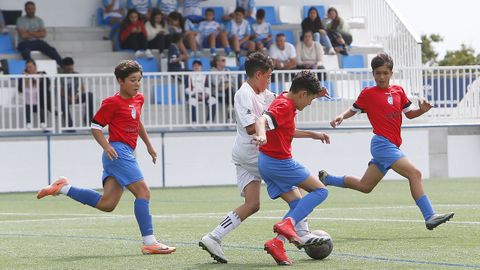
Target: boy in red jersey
{"type": "Point", "coordinates": [121, 112]}
{"type": "Point", "coordinates": [384, 104]}
{"type": "Point", "coordinates": [281, 172]}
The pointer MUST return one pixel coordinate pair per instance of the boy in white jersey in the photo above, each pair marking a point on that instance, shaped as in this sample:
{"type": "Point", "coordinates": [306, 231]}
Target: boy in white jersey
{"type": "Point", "coordinates": [261, 31]}
{"type": "Point", "coordinates": [210, 31]}
{"type": "Point", "coordinates": [251, 100]}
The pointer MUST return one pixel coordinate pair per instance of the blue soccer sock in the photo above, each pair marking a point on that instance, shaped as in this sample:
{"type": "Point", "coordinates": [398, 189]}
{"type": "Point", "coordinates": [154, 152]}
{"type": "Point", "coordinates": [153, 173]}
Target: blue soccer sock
{"type": "Point", "coordinates": [337, 181]}
{"type": "Point", "coordinates": [228, 50]}
{"type": "Point", "coordinates": [425, 206]}
{"type": "Point", "coordinates": [144, 219]}
{"type": "Point", "coordinates": [84, 195]}
{"type": "Point", "coordinates": [306, 205]}
{"type": "Point", "coordinates": [292, 205]}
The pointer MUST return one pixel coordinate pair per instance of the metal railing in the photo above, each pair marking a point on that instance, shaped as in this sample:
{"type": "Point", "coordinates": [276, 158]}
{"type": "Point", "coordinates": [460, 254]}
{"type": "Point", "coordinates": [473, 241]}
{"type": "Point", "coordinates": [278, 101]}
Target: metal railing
{"type": "Point", "coordinates": [170, 103]}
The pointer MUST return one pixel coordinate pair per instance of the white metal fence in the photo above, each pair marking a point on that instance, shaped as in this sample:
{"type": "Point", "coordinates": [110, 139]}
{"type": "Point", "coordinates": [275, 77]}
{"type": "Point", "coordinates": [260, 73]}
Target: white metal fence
{"type": "Point", "coordinates": [171, 104]}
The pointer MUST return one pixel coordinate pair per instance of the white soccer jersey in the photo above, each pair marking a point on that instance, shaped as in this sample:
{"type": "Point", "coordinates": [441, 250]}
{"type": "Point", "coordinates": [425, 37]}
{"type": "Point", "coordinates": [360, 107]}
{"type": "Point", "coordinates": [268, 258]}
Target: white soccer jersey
{"type": "Point", "coordinates": [248, 108]}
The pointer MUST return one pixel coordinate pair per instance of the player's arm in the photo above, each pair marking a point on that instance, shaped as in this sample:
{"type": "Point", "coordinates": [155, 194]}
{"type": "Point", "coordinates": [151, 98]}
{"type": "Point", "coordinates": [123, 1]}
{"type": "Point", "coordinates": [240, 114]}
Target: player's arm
{"type": "Point", "coordinates": [423, 107]}
{"type": "Point", "coordinates": [322, 136]}
{"type": "Point", "coordinates": [260, 136]}
{"type": "Point", "coordinates": [144, 136]}
{"type": "Point", "coordinates": [102, 141]}
{"type": "Point", "coordinates": [345, 115]}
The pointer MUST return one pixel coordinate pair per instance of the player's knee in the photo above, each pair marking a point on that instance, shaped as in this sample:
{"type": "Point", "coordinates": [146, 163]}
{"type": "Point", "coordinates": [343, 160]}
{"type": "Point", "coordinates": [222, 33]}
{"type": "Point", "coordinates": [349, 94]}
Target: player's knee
{"type": "Point", "coordinates": [415, 176]}
{"type": "Point", "coordinates": [253, 207]}
{"type": "Point", "coordinates": [366, 189]}
{"type": "Point", "coordinates": [109, 208]}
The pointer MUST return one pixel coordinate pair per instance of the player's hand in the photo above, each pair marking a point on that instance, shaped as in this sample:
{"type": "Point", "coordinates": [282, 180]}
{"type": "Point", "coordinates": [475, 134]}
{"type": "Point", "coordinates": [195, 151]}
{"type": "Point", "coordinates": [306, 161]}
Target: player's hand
{"type": "Point", "coordinates": [111, 153]}
{"type": "Point", "coordinates": [424, 105]}
{"type": "Point", "coordinates": [259, 140]}
{"type": "Point", "coordinates": [337, 121]}
{"type": "Point", "coordinates": [322, 136]}
{"type": "Point", "coordinates": [324, 92]}
{"type": "Point", "coordinates": [153, 154]}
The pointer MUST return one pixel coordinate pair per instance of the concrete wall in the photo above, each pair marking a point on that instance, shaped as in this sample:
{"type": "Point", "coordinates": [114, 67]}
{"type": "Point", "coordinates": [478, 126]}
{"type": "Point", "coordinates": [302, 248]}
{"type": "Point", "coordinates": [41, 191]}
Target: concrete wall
{"type": "Point", "coordinates": [204, 158]}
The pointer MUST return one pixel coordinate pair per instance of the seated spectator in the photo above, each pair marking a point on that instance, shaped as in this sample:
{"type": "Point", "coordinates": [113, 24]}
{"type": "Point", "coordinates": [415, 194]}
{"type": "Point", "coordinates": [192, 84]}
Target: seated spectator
{"type": "Point", "coordinates": [112, 11]}
{"type": "Point", "coordinates": [156, 31]}
{"type": "Point", "coordinates": [178, 24]}
{"type": "Point", "coordinates": [168, 6]}
{"type": "Point", "coordinates": [143, 7]}
{"type": "Point", "coordinates": [72, 91]}
{"type": "Point", "coordinates": [283, 53]}
{"type": "Point", "coordinates": [192, 10]}
{"type": "Point", "coordinates": [261, 31]}
{"type": "Point", "coordinates": [197, 92]}
{"type": "Point", "coordinates": [210, 32]}
{"type": "Point", "coordinates": [36, 93]}
{"type": "Point", "coordinates": [337, 31]}
{"type": "Point", "coordinates": [239, 32]}
{"type": "Point", "coordinates": [223, 85]}
{"type": "Point", "coordinates": [248, 6]}
{"type": "Point", "coordinates": [314, 24]}
{"type": "Point", "coordinates": [2, 21]}
{"type": "Point", "coordinates": [133, 34]}
{"type": "Point", "coordinates": [31, 31]}
{"type": "Point", "coordinates": [309, 52]}
{"type": "Point", "coordinates": [175, 54]}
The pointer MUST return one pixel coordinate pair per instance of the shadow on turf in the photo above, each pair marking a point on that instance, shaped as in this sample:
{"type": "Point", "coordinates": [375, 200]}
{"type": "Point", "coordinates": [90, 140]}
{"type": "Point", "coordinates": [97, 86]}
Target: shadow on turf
{"type": "Point", "coordinates": [81, 258]}
{"type": "Point", "coordinates": [387, 239]}
{"type": "Point", "coordinates": [234, 265]}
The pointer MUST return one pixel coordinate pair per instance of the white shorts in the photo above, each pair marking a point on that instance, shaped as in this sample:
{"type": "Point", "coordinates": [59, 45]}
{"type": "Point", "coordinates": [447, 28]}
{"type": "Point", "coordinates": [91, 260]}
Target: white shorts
{"type": "Point", "coordinates": [246, 173]}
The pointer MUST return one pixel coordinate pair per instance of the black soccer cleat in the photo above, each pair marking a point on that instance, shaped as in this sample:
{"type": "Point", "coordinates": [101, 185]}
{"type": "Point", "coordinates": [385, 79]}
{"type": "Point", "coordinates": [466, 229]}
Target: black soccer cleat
{"type": "Point", "coordinates": [322, 175]}
{"type": "Point", "coordinates": [438, 219]}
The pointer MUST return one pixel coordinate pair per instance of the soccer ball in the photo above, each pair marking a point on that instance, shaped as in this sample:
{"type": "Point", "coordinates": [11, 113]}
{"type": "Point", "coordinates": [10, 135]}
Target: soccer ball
{"type": "Point", "coordinates": [319, 252]}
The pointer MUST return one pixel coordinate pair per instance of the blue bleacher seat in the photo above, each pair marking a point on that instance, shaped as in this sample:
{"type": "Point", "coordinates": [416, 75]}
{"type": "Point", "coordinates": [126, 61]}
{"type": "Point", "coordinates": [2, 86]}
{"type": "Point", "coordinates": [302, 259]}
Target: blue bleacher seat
{"type": "Point", "coordinates": [320, 9]}
{"type": "Point", "coordinates": [162, 93]}
{"type": "Point", "coordinates": [205, 63]}
{"type": "Point", "coordinates": [219, 12]}
{"type": "Point", "coordinates": [6, 44]}
{"type": "Point", "coordinates": [241, 61]}
{"type": "Point", "coordinates": [289, 37]}
{"type": "Point", "coordinates": [148, 64]}
{"type": "Point", "coordinates": [270, 15]}
{"type": "Point", "coordinates": [16, 66]}
{"type": "Point", "coordinates": [368, 83]}
{"type": "Point", "coordinates": [352, 61]}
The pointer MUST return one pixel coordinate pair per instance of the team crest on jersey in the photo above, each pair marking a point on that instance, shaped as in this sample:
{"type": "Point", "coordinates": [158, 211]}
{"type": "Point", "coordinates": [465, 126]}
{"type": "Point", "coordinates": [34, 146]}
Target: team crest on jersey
{"type": "Point", "coordinates": [390, 99]}
{"type": "Point", "coordinates": [133, 111]}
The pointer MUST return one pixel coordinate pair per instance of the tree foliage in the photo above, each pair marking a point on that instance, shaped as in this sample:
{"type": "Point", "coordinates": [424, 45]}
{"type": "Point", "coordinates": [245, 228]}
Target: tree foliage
{"type": "Point", "coordinates": [429, 55]}
{"type": "Point", "coordinates": [463, 57]}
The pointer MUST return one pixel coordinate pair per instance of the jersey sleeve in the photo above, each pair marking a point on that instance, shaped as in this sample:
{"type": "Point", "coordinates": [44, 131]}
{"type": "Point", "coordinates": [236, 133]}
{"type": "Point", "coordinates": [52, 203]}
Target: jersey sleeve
{"type": "Point", "coordinates": [406, 103]}
{"type": "Point", "coordinates": [278, 114]}
{"type": "Point", "coordinates": [104, 115]}
{"type": "Point", "coordinates": [360, 105]}
{"type": "Point", "coordinates": [244, 110]}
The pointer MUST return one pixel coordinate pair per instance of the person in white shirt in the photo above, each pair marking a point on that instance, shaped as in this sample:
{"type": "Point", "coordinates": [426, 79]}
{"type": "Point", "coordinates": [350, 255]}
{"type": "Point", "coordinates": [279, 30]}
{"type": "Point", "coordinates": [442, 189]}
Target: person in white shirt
{"type": "Point", "coordinates": [156, 31]}
{"type": "Point", "coordinates": [309, 52]}
{"type": "Point", "coordinates": [283, 53]}
{"type": "Point", "coordinates": [210, 31]}
{"type": "Point", "coordinates": [239, 31]}
{"type": "Point", "coordinates": [198, 92]}
{"type": "Point", "coordinates": [261, 31]}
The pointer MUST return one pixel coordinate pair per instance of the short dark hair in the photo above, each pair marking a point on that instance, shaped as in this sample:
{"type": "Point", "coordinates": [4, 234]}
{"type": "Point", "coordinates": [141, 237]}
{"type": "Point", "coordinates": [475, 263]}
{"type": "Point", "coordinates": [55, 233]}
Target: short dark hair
{"type": "Point", "coordinates": [67, 61]}
{"type": "Point", "coordinates": [260, 14]}
{"type": "Point", "coordinates": [209, 10]}
{"type": "Point", "coordinates": [279, 35]}
{"type": "Point", "coordinates": [127, 67]}
{"type": "Point", "coordinates": [198, 62]}
{"type": "Point", "coordinates": [29, 3]}
{"type": "Point", "coordinates": [382, 59]}
{"type": "Point", "coordinates": [240, 9]}
{"type": "Point", "coordinates": [305, 80]}
{"type": "Point", "coordinates": [257, 61]}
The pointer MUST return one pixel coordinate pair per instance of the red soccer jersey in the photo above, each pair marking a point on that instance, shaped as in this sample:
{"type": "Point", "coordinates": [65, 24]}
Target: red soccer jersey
{"type": "Point", "coordinates": [384, 110]}
{"type": "Point", "coordinates": [282, 111]}
{"type": "Point", "coordinates": [122, 117]}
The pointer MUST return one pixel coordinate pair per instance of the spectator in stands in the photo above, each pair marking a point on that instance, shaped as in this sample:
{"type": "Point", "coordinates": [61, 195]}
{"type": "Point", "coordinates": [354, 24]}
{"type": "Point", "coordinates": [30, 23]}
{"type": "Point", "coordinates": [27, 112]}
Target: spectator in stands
{"type": "Point", "coordinates": [31, 31]}
{"type": "Point", "coordinates": [248, 6]}
{"type": "Point", "coordinates": [72, 91]}
{"type": "Point", "coordinates": [156, 31]}
{"type": "Point", "coordinates": [36, 93]}
{"type": "Point", "coordinates": [2, 21]}
{"type": "Point", "coordinates": [261, 31]}
{"type": "Point", "coordinates": [168, 6]}
{"type": "Point", "coordinates": [210, 32]}
{"type": "Point", "coordinates": [314, 24]}
{"type": "Point", "coordinates": [112, 11]}
{"type": "Point", "coordinates": [197, 92]}
{"type": "Point", "coordinates": [223, 85]}
{"type": "Point", "coordinates": [192, 10]}
{"type": "Point", "coordinates": [309, 52]}
{"type": "Point", "coordinates": [239, 32]}
{"type": "Point", "coordinates": [283, 53]}
{"type": "Point", "coordinates": [143, 7]}
{"type": "Point", "coordinates": [133, 34]}
{"type": "Point", "coordinates": [337, 31]}
{"type": "Point", "coordinates": [178, 24]}
{"type": "Point", "coordinates": [175, 54]}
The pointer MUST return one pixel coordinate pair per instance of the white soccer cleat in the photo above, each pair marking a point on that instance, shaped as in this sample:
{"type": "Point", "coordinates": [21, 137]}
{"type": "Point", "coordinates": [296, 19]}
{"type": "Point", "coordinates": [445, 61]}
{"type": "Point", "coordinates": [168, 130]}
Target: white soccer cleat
{"type": "Point", "coordinates": [311, 239]}
{"type": "Point", "coordinates": [214, 247]}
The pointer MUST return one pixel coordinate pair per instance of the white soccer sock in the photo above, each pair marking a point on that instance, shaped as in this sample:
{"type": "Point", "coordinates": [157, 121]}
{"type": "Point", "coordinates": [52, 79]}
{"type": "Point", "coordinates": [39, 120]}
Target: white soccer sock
{"type": "Point", "coordinates": [231, 221]}
{"type": "Point", "coordinates": [149, 240]}
{"type": "Point", "coordinates": [65, 189]}
{"type": "Point", "coordinates": [302, 227]}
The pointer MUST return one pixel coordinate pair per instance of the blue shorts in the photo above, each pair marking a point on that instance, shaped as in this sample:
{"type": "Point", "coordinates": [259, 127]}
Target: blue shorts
{"type": "Point", "coordinates": [124, 169]}
{"type": "Point", "coordinates": [384, 153]}
{"type": "Point", "coordinates": [281, 175]}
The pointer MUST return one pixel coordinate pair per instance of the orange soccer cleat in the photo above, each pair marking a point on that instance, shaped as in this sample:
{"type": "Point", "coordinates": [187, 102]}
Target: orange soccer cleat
{"type": "Point", "coordinates": [275, 248]}
{"type": "Point", "coordinates": [286, 229]}
{"type": "Point", "coordinates": [157, 248]}
{"type": "Point", "coordinates": [53, 189]}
